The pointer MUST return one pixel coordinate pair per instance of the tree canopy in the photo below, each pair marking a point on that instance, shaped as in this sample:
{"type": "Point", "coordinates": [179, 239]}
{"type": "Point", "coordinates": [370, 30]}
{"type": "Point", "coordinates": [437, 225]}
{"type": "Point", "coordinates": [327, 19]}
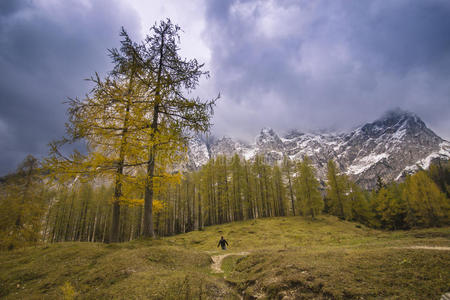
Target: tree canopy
{"type": "Point", "coordinates": [138, 120]}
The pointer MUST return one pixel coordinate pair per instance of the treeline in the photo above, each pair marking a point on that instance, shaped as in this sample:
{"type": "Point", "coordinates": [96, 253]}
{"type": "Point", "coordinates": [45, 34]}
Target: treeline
{"type": "Point", "coordinates": [23, 203]}
{"type": "Point", "coordinates": [223, 190]}
{"type": "Point", "coordinates": [422, 200]}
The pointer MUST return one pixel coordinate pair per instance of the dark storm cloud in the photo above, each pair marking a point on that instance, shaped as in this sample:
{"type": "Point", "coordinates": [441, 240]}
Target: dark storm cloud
{"type": "Point", "coordinates": [10, 6]}
{"type": "Point", "coordinates": [329, 64]}
{"type": "Point", "coordinates": [46, 50]}
{"type": "Point", "coordinates": [282, 63]}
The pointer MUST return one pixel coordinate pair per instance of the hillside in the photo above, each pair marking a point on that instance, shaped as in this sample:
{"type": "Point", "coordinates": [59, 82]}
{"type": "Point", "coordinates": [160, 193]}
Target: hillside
{"type": "Point", "coordinates": [291, 257]}
{"type": "Point", "coordinates": [390, 147]}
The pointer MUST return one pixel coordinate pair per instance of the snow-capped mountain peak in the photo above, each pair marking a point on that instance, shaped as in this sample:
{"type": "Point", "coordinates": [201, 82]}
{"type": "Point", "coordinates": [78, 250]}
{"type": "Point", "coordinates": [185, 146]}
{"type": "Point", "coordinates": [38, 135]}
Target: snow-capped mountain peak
{"type": "Point", "coordinates": [268, 139]}
{"type": "Point", "coordinates": [397, 143]}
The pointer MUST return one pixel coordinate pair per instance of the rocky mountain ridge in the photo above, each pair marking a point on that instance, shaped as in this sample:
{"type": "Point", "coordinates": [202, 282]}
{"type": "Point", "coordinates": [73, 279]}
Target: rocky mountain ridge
{"type": "Point", "coordinates": [391, 147]}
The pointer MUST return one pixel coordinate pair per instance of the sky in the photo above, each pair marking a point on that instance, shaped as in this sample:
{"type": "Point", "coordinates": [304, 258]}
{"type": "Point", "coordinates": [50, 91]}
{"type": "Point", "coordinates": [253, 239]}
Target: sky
{"type": "Point", "coordinates": [285, 64]}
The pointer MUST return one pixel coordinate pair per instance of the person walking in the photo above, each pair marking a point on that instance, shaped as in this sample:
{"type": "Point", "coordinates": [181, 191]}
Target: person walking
{"type": "Point", "coordinates": [223, 243]}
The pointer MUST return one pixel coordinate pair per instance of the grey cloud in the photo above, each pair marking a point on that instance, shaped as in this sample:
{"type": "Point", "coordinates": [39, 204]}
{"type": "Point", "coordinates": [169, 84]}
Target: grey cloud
{"type": "Point", "coordinates": [340, 63]}
{"type": "Point", "coordinates": [45, 55]}
{"type": "Point", "coordinates": [8, 7]}
{"type": "Point", "coordinates": [286, 64]}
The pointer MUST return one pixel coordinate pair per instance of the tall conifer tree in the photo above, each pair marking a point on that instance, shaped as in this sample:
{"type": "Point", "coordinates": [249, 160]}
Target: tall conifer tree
{"type": "Point", "coordinates": [337, 192]}
{"type": "Point", "coordinates": [308, 189]}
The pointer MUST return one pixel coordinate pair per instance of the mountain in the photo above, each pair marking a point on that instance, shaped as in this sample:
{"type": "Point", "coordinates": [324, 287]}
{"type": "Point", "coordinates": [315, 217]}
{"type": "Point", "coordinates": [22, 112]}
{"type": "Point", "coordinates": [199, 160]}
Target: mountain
{"type": "Point", "coordinates": [397, 144]}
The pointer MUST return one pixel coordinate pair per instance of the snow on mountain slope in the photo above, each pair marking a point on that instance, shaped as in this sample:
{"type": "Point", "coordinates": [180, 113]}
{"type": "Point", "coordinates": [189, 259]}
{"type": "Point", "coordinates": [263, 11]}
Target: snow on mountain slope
{"type": "Point", "coordinates": [197, 152]}
{"type": "Point", "coordinates": [365, 162]}
{"type": "Point", "coordinates": [394, 145]}
{"type": "Point", "coordinates": [424, 163]}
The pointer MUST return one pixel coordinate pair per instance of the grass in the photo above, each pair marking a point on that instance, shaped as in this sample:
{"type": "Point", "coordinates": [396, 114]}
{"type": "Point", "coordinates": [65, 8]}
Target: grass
{"type": "Point", "coordinates": [291, 256]}
{"type": "Point", "coordinates": [96, 271]}
{"type": "Point", "coordinates": [344, 273]}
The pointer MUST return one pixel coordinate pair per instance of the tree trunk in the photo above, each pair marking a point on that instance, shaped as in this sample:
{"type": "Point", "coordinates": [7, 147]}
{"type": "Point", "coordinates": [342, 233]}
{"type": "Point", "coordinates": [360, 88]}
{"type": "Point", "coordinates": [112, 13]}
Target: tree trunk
{"type": "Point", "coordinates": [148, 229]}
{"type": "Point", "coordinates": [291, 194]}
{"type": "Point", "coordinates": [118, 185]}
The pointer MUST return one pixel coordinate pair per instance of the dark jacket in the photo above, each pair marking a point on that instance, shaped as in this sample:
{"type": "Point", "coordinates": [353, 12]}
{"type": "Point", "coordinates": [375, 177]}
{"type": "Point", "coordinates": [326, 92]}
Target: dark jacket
{"type": "Point", "coordinates": [222, 243]}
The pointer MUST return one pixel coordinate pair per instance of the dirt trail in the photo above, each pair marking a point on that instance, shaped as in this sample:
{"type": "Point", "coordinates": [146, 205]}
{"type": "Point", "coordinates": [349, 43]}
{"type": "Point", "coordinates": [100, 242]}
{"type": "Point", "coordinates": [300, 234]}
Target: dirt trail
{"type": "Point", "coordinates": [429, 248]}
{"type": "Point", "coordinates": [216, 266]}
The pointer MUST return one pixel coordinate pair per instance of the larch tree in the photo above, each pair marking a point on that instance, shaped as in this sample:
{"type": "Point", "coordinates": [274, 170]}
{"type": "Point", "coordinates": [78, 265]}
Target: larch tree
{"type": "Point", "coordinates": [248, 191]}
{"type": "Point", "coordinates": [287, 170]}
{"type": "Point", "coordinates": [430, 205]}
{"type": "Point", "coordinates": [22, 205]}
{"type": "Point", "coordinates": [279, 192]}
{"type": "Point", "coordinates": [307, 187]}
{"type": "Point", "coordinates": [109, 120]}
{"type": "Point", "coordinates": [137, 121]}
{"type": "Point", "coordinates": [337, 192]}
{"type": "Point", "coordinates": [236, 186]}
{"type": "Point", "coordinates": [166, 80]}
{"type": "Point", "coordinates": [440, 173]}
{"type": "Point", "coordinates": [391, 208]}
{"type": "Point", "coordinates": [105, 121]}
{"type": "Point", "coordinates": [359, 204]}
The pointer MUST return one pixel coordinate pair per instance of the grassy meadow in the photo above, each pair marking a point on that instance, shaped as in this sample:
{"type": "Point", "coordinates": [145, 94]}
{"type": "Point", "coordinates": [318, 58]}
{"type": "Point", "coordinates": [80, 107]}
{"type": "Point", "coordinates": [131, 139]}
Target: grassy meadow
{"type": "Point", "coordinates": [290, 258]}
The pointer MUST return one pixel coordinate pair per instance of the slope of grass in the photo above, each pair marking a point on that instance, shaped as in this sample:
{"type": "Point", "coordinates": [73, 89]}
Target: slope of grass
{"type": "Point", "coordinates": [290, 257]}
{"type": "Point", "coordinates": [96, 271]}
{"type": "Point", "coordinates": [344, 273]}
{"type": "Point", "coordinates": [288, 232]}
